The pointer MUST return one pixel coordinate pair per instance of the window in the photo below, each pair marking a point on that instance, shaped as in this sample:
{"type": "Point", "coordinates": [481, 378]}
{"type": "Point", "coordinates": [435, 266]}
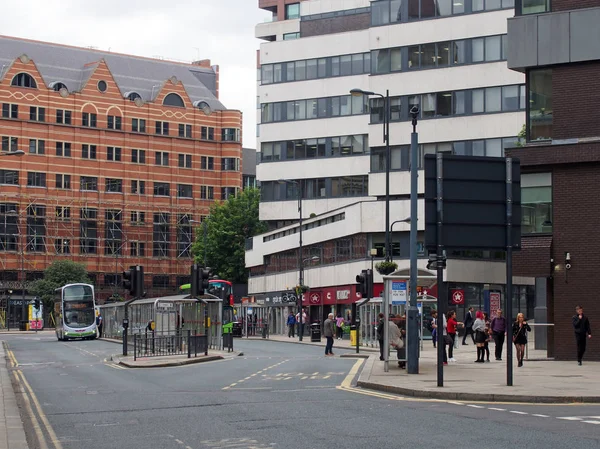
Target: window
{"type": "Point", "coordinates": [138, 156]}
{"type": "Point", "coordinates": [184, 191]}
{"type": "Point", "coordinates": [10, 143]}
{"type": "Point", "coordinates": [343, 249]}
{"type": "Point", "coordinates": [230, 134]}
{"type": "Point", "coordinates": [185, 160]}
{"type": "Point", "coordinates": [207, 133]}
{"type": "Point", "coordinates": [89, 119]}
{"type": "Point", "coordinates": [161, 158]}
{"type": "Point", "coordinates": [88, 183]}
{"type": "Point", "coordinates": [88, 231]}
{"type": "Point", "coordinates": [161, 189]}
{"type": "Point", "coordinates": [63, 181]}
{"type": "Point", "coordinates": [102, 86]}
{"type": "Point", "coordinates": [63, 212]}
{"type": "Point", "coordinates": [138, 187]}
{"type": "Point", "coordinates": [36, 179]}
{"type": "Point", "coordinates": [114, 122]}
{"type": "Point", "coordinates": [37, 114]}
{"type": "Point", "coordinates": [161, 235]}
{"type": "Point", "coordinates": [113, 232]}
{"type": "Point", "coordinates": [291, 36]}
{"type": "Point", "coordinates": [36, 228]}
{"type": "Point", "coordinates": [23, 80]}
{"type": "Point", "coordinates": [63, 149]}
{"type": "Point", "coordinates": [207, 192]}
{"type": "Point", "coordinates": [230, 164]}
{"type": "Point", "coordinates": [137, 249]}
{"type": "Point", "coordinates": [88, 151]}
{"type": "Point", "coordinates": [185, 130]}
{"type": "Point", "coordinates": [227, 192]}
{"type": "Point", "coordinates": [162, 128]}
{"type": "Point", "coordinates": [138, 217]}
{"type": "Point", "coordinates": [62, 246]}
{"type": "Point", "coordinates": [174, 100]}
{"type": "Point", "coordinates": [112, 185]}
{"type": "Point", "coordinates": [10, 110]}
{"type": "Point", "coordinates": [207, 163]}
{"type": "Point", "coordinates": [534, 7]}
{"type": "Point", "coordinates": [113, 154]}
{"type": "Point", "coordinates": [9, 177]}
{"type": "Point", "coordinates": [536, 203]}
{"type": "Point", "coordinates": [63, 117]}
{"type": "Point", "coordinates": [292, 11]}
{"type": "Point", "coordinates": [539, 113]}
{"type": "Point", "coordinates": [37, 146]}
{"type": "Point", "coordinates": [138, 125]}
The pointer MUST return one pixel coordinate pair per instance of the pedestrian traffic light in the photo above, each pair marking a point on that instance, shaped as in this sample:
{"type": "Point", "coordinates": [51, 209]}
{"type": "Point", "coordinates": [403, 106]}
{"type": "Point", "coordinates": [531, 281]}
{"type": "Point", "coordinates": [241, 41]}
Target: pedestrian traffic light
{"type": "Point", "coordinates": [363, 287]}
{"type": "Point", "coordinates": [36, 304]}
{"type": "Point", "coordinates": [129, 279]}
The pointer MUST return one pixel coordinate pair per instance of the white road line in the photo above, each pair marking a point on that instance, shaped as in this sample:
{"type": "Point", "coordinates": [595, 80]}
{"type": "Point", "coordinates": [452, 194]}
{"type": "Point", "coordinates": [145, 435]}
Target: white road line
{"type": "Point", "coordinates": [592, 422]}
{"type": "Point", "coordinates": [497, 409]}
{"type": "Point", "coordinates": [455, 403]}
{"type": "Point", "coordinates": [475, 406]}
{"type": "Point", "coordinates": [540, 416]}
{"type": "Point", "coordinates": [516, 412]}
{"type": "Point", "coordinates": [570, 418]}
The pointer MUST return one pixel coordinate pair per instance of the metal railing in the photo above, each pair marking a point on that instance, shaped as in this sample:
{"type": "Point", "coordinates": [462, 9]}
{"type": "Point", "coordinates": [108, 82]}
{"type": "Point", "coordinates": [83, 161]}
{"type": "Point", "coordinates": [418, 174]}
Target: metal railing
{"type": "Point", "coordinates": [151, 345]}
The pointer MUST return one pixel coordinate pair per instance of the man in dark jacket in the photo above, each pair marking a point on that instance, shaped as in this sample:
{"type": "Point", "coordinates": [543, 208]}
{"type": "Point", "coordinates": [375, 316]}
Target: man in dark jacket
{"type": "Point", "coordinates": [328, 333]}
{"type": "Point", "coordinates": [380, 324]}
{"type": "Point", "coordinates": [469, 320]}
{"type": "Point", "coordinates": [581, 325]}
{"type": "Point", "coordinates": [291, 324]}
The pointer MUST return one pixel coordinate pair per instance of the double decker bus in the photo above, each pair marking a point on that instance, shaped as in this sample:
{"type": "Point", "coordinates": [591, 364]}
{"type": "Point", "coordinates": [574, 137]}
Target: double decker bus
{"type": "Point", "coordinates": [75, 312]}
{"type": "Point", "coordinates": [221, 289]}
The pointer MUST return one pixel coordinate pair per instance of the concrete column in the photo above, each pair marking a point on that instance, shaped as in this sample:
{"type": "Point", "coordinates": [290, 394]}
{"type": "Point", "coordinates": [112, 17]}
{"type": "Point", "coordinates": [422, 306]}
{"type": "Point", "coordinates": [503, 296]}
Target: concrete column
{"type": "Point", "coordinates": [540, 313]}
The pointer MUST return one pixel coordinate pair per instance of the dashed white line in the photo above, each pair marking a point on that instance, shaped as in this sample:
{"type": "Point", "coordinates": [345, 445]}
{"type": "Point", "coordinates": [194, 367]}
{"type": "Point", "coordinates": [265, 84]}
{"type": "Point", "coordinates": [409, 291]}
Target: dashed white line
{"type": "Point", "coordinates": [569, 418]}
{"type": "Point", "coordinates": [497, 409]}
{"type": "Point", "coordinates": [540, 415]}
{"type": "Point", "coordinates": [592, 422]}
{"type": "Point", "coordinates": [516, 412]}
{"type": "Point", "coordinates": [475, 406]}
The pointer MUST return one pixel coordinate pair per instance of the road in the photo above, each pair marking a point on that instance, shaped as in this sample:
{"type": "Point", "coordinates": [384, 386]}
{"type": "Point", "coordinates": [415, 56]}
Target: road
{"type": "Point", "coordinates": [277, 395]}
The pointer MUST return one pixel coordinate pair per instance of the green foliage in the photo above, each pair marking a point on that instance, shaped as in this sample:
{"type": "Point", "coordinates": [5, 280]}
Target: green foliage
{"type": "Point", "coordinates": [229, 225]}
{"type": "Point", "coordinates": [386, 267]}
{"type": "Point", "coordinates": [522, 136]}
{"type": "Point", "coordinates": [59, 273]}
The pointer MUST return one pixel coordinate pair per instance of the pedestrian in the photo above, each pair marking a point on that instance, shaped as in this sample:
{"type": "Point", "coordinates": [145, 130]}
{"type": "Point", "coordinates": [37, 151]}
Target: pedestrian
{"type": "Point", "coordinates": [519, 332]}
{"type": "Point", "coordinates": [480, 336]}
{"type": "Point", "coordinates": [451, 330]}
{"type": "Point", "coordinates": [434, 315]}
{"type": "Point", "coordinates": [396, 341]}
{"type": "Point", "coordinates": [328, 333]}
{"type": "Point", "coordinates": [254, 324]}
{"type": "Point", "coordinates": [339, 326]}
{"type": "Point", "coordinates": [488, 332]}
{"type": "Point", "coordinates": [498, 333]}
{"type": "Point", "coordinates": [301, 325]}
{"type": "Point", "coordinates": [469, 326]}
{"type": "Point", "coordinates": [380, 336]}
{"type": "Point", "coordinates": [581, 325]}
{"type": "Point", "coordinates": [291, 324]}
{"type": "Point", "coordinates": [99, 324]}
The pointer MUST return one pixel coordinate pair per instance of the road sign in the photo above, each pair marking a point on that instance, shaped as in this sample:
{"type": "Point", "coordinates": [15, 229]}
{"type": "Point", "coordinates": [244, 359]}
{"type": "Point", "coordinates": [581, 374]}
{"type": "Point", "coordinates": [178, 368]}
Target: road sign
{"type": "Point", "coordinates": [494, 302]}
{"type": "Point", "coordinates": [399, 292]}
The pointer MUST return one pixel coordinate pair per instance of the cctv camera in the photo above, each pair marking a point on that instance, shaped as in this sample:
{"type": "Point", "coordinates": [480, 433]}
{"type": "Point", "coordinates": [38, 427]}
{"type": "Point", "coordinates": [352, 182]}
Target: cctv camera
{"type": "Point", "coordinates": [414, 111]}
{"type": "Point", "coordinates": [568, 266]}
{"type": "Point", "coordinates": [568, 257]}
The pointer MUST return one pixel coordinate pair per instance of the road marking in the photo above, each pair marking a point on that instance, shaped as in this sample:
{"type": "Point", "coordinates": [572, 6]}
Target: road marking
{"type": "Point", "coordinates": [280, 376]}
{"type": "Point", "coordinates": [115, 366]}
{"type": "Point", "coordinates": [570, 418]}
{"type": "Point", "coordinates": [497, 409]}
{"type": "Point", "coordinates": [540, 416]}
{"type": "Point", "coordinates": [592, 422]}
{"type": "Point", "coordinates": [475, 406]}
{"type": "Point", "coordinates": [347, 382]}
{"type": "Point", "coordinates": [516, 412]}
{"type": "Point", "coordinates": [35, 423]}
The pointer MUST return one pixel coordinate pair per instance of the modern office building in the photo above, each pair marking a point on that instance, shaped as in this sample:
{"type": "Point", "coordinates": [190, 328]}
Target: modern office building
{"type": "Point", "coordinates": [448, 57]}
{"type": "Point", "coordinates": [122, 155]}
{"type": "Point", "coordinates": [555, 45]}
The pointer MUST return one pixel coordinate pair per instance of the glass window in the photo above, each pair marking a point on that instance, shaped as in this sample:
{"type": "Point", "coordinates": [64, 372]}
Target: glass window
{"type": "Point", "coordinates": [345, 106]}
{"type": "Point", "coordinates": [459, 52]}
{"type": "Point", "coordinates": [380, 13]}
{"type": "Point", "coordinates": [267, 74]}
{"type": "Point", "coordinates": [413, 9]}
{"type": "Point", "coordinates": [478, 5]}
{"type": "Point", "coordinates": [493, 147]}
{"type": "Point", "coordinates": [459, 103]}
{"type": "Point", "coordinates": [358, 104]}
{"type": "Point", "coordinates": [395, 109]}
{"type": "Point", "coordinates": [428, 106]}
{"type": "Point", "coordinates": [477, 101]}
{"type": "Point", "coordinates": [346, 145]}
{"type": "Point", "coordinates": [311, 69]}
{"type": "Point", "coordinates": [290, 71]}
{"type": "Point", "coordinates": [395, 159]}
{"type": "Point", "coordinates": [300, 107]}
{"type": "Point", "coordinates": [458, 7]}
{"type": "Point", "coordinates": [395, 11]}
{"type": "Point", "coordinates": [491, 5]}
{"type": "Point", "coordinates": [346, 65]}
{"type": "Point", "coordinates": [335, 66]}
{"type": "Point", "coordinates": [377, 110]}
{"type": "Point", "coordinates": [535, 6]}
{"type": "Point", "coordinates": [321, 147]}
{"type": "Point", "coordinates": [443, 54]}
{"type": "Point", "coordinates": [444, 104]}
{"type": "Point", "coordinates": [508, 3]}
{"type": "Point", "coordinates": [396, 59]}
{"type": "Point", "coordinates": [290, 111]}
{"type": "Point", "coordinates": [540, 104]}
{"type": "Point", "coordinates": [335, 106]}
{"type": "Point", "coordinates": [510, 98]}
{"type": "Point", "coordinates": [292, 11]}
{"type": "Point", "coordinates": [477, 49]}
{"type": "Point", "coordinates": [357, 64]}
{"type": "Point", "coordinates": [322, 68]}
{"type": "Point", "coordinates": [536, 204]}
{"type": "Point", "coordinates": [380, 61]}
{"type": "Point", "coordinates": [300, 70]}
{"type": "Point", "coordinates": [493, 99]}
{"type": "Point", "coordinates": [522, 97]}
{"type": "Point", "coordinates": [493, 48]}
{"type": "Point", "coordinates": [311, 108]}
{"type": "Point", "coordinates": [428, 8]}
{"type": "Point", "coordinates": [335, 146]}
{"type": "Point", "coordinates": [366, 62]}
{"type": "Point", "coordinates": [478, 147]}
{"type": "Point", "coordinates": [414, 57]}
{"type": "Point", "coordinates": [277, 73]}
{"type": "Point", "coordinates": [322, 107]}
{"type": "Point", "coordinates": [311, 148]}
{"type": "Point", "coordinates": [428, 58]}
{"type": "Point", "coordinates": [460, 148]}
{"type": "Point", "coordinates": [444, 7]}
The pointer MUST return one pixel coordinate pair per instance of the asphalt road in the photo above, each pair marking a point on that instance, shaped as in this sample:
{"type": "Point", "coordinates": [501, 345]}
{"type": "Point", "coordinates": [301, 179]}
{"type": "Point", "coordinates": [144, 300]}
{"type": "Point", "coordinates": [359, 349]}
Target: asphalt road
{"type": "Point", "coordinates": [277, 395]}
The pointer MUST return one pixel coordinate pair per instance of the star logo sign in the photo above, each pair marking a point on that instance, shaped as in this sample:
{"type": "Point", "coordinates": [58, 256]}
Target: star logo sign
{"type": "Point", "coordinates": [315, 298]}
{"type": "Point", "coordinates": [458, 297]}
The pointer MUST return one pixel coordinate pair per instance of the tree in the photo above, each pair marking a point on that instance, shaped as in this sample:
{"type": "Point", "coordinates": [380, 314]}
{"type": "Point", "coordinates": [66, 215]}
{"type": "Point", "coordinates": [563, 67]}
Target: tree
{"type": "Point", "coordinates": [59, 273]}
{"type": "Point", "coordinates": [230, 223]}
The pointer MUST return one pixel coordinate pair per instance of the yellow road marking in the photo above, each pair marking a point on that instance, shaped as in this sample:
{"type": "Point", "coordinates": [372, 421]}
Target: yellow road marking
{"type": "Point", "coordinates": [36, 424]}
{"type": "Point", "coordinates": [347, 382]}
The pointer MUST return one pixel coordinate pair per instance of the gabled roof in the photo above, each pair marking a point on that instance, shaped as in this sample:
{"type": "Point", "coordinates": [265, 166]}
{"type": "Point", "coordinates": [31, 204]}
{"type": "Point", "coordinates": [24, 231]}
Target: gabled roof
{"type": "Point", "coordinates": [73, 66]}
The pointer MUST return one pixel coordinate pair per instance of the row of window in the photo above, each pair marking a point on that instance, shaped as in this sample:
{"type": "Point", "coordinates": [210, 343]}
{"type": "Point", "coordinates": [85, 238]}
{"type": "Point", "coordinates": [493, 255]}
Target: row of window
{"type": "Point", "coordinates": [311, 225]}
{"type": "Point", "coordinates": [90, 120]}
{"type": "Point", "coordinates": [112, 185]}
{"type": "Point", "coordinates": [316, 188]}
{"type": "Point", "coordinates": [356, 64]}
{"type": "Point", "coordinates": [452, 103]}
{"type": "Point", "coordinates": [315, 148]}
{"type": "Point", "coordinates": [384, 12]}
{"type": "Point", "coordinates": [332, 14]}
{"type": "Point", "coordinates": [339, 106]}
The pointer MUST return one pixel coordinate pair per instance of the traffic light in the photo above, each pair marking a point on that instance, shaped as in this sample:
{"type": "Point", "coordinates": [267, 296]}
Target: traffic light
{"type": "Point", "coordinates": [432, 263]}
{"type": "Point", "coordinates": [133, 281]}
{"type": "Point", "coordinates": [139, 281]}
{"type": "Point", "coordinates": [204, 275]}
{"type": "Point", "coordinates": [363, 287]}
{"type": "Point", "coordinates": [194, 280]}
{"type": "Point", "coordinates": [129, 279]}
{"type": "Point", "coordinates": [36, 304]}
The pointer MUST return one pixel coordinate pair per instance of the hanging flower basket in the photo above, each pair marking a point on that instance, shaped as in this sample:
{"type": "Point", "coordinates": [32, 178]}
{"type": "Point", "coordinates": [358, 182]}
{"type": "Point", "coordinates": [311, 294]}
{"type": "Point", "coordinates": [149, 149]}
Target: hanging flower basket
{"type": "Point", "coordinates": [301, 289]}
{"type": "Point", "coordinates": [386, 267]}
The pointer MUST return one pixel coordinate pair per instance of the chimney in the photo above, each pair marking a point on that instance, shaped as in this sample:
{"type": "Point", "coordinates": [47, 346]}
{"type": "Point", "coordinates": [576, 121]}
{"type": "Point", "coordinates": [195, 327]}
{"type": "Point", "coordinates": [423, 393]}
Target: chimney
{"type": "Point", "coordinates": [203, 63]}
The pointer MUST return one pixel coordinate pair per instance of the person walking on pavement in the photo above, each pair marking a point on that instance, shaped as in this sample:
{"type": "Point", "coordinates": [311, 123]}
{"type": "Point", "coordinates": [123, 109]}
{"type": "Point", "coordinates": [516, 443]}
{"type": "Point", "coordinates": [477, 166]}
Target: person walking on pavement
{"type": "Point", "coordinates": [451, 329]}
{"type": "Point", "coordinates": [469, 320]}
{"type": "Point", "coordinates": [396, 341]}
{"type": "Point", "coordinates": [488, 332]}
{"type": "Point", "coordinates": [480, 336]}
{"type": "Point", "coordinates": [291, 324]}
{"type": "Point", "coordinates": [581, 325]}
{"type": "Point", "coordinates": [380, 328]}
{"type": "Point", "coordinates": [339, 324]}
{"type": "Point", "coordinates": [519, 332]}
{"type": "Point", "coordinates": [434, 315]}
{"type": "Point", "coordinates": [301, 326]}
{"type": "Point", "coordinates": [499, 332]}
{"type": "Point", "coordinates": [328, 333]}
{"type": "Point", "coordinates": [99, 324]}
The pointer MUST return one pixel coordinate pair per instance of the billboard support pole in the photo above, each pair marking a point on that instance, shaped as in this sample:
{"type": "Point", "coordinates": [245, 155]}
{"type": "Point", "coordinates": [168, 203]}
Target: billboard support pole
{"type": "Point", "coordinates": [441, 348]}
{"type": "Point", "coordinates": [509, 287]}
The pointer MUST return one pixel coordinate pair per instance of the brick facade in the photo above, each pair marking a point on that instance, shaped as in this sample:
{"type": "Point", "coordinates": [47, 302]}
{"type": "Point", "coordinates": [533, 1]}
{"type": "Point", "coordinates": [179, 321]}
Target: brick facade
{"type": "Point", "coordinates": [565, 5]}
{"type": "Point", "coordinates": [111, 102]}
{"type": "Point", "coordinates": [335, 25]}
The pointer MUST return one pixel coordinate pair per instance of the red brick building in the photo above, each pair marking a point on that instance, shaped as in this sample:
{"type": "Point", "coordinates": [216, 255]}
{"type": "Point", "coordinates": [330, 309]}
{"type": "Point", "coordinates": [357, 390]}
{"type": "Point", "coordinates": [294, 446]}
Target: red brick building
{"type": "Point", "coordinates": [556, 46]}
{"type": "Point", "coordinates": [123, 156]}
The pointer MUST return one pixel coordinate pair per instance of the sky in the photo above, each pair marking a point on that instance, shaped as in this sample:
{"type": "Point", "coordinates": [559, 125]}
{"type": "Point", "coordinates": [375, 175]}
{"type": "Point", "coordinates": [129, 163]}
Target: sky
{"type": "Point", "coordinates": [185, 30]}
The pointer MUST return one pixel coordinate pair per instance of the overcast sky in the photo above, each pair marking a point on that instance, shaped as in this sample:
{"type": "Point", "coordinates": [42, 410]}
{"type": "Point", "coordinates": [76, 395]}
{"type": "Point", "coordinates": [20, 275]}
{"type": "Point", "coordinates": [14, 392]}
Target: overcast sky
{"type": "Point", "coordinates": [219, 30]}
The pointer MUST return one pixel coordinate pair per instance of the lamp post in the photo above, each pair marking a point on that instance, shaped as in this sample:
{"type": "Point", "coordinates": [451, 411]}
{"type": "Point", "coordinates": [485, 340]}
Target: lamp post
{"type": "Point", "coordinates": [300, 259]}
{"type": "Point", "coordinates": [406, 220]}
{"type": "Point", "coordinates": [386, 139]}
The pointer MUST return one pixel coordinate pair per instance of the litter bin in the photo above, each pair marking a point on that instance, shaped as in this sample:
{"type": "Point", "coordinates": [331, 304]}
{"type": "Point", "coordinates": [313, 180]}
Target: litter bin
{"type": "Point", "coordinates": [228, 342]}
{"type": "Point", "coordinates": [24, 326]}
{"type": "Point", "coordinates": [237, 329]}
{"type": "Point", "coordinates": [353, 330]}
{"type": "Point", "coordinates": [315, 332]}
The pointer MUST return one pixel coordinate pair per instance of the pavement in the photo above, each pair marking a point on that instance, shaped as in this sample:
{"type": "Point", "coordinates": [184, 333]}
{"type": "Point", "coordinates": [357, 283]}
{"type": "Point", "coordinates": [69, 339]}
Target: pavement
{"type": "Point", "coordinates": [12, 432]}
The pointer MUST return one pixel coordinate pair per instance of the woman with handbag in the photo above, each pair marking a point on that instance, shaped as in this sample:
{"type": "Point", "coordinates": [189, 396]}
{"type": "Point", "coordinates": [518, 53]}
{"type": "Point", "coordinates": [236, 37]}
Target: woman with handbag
{"type": "Point", "coordinates": [480, 336]}
{"type": "Point", "coordinates": [488, 334]}
{"type": "Point", "coordinates": [519, 331]}
{"type": "Point", "coordinates": [396, 341]}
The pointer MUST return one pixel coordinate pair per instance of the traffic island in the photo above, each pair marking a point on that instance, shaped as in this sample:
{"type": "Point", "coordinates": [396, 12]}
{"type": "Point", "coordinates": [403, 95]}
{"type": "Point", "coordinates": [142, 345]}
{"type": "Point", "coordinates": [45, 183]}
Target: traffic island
{"type": "Point", "coordinates": [163, 362]}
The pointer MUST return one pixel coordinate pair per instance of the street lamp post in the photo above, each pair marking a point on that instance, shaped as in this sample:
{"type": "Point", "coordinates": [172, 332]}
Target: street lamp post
{"type": "Point", "coordinates": [386, 139]}
{"type": "Point", "coordinates": [406, 220]}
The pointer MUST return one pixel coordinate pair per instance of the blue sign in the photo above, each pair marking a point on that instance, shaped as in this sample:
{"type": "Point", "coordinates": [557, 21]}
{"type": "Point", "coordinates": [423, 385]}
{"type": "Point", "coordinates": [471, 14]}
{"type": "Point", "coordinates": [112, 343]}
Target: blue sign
{"type": "Point", "coordinates": [399, 292]}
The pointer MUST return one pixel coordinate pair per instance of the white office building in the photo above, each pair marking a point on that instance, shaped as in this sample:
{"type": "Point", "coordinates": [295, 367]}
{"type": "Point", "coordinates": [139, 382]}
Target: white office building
{"type": "Point", "coordinates": [447, 56]}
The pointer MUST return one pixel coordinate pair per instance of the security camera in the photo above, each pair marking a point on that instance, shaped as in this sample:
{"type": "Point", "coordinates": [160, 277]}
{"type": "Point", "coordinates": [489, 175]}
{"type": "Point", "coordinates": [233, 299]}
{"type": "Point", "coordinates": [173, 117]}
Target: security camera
{"type": "Point", "coordinates": [568, 261]}
{"type": "Point", "coordinates": [414, 111]}
{"type": "Point", "coordinates": [568, 266]}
